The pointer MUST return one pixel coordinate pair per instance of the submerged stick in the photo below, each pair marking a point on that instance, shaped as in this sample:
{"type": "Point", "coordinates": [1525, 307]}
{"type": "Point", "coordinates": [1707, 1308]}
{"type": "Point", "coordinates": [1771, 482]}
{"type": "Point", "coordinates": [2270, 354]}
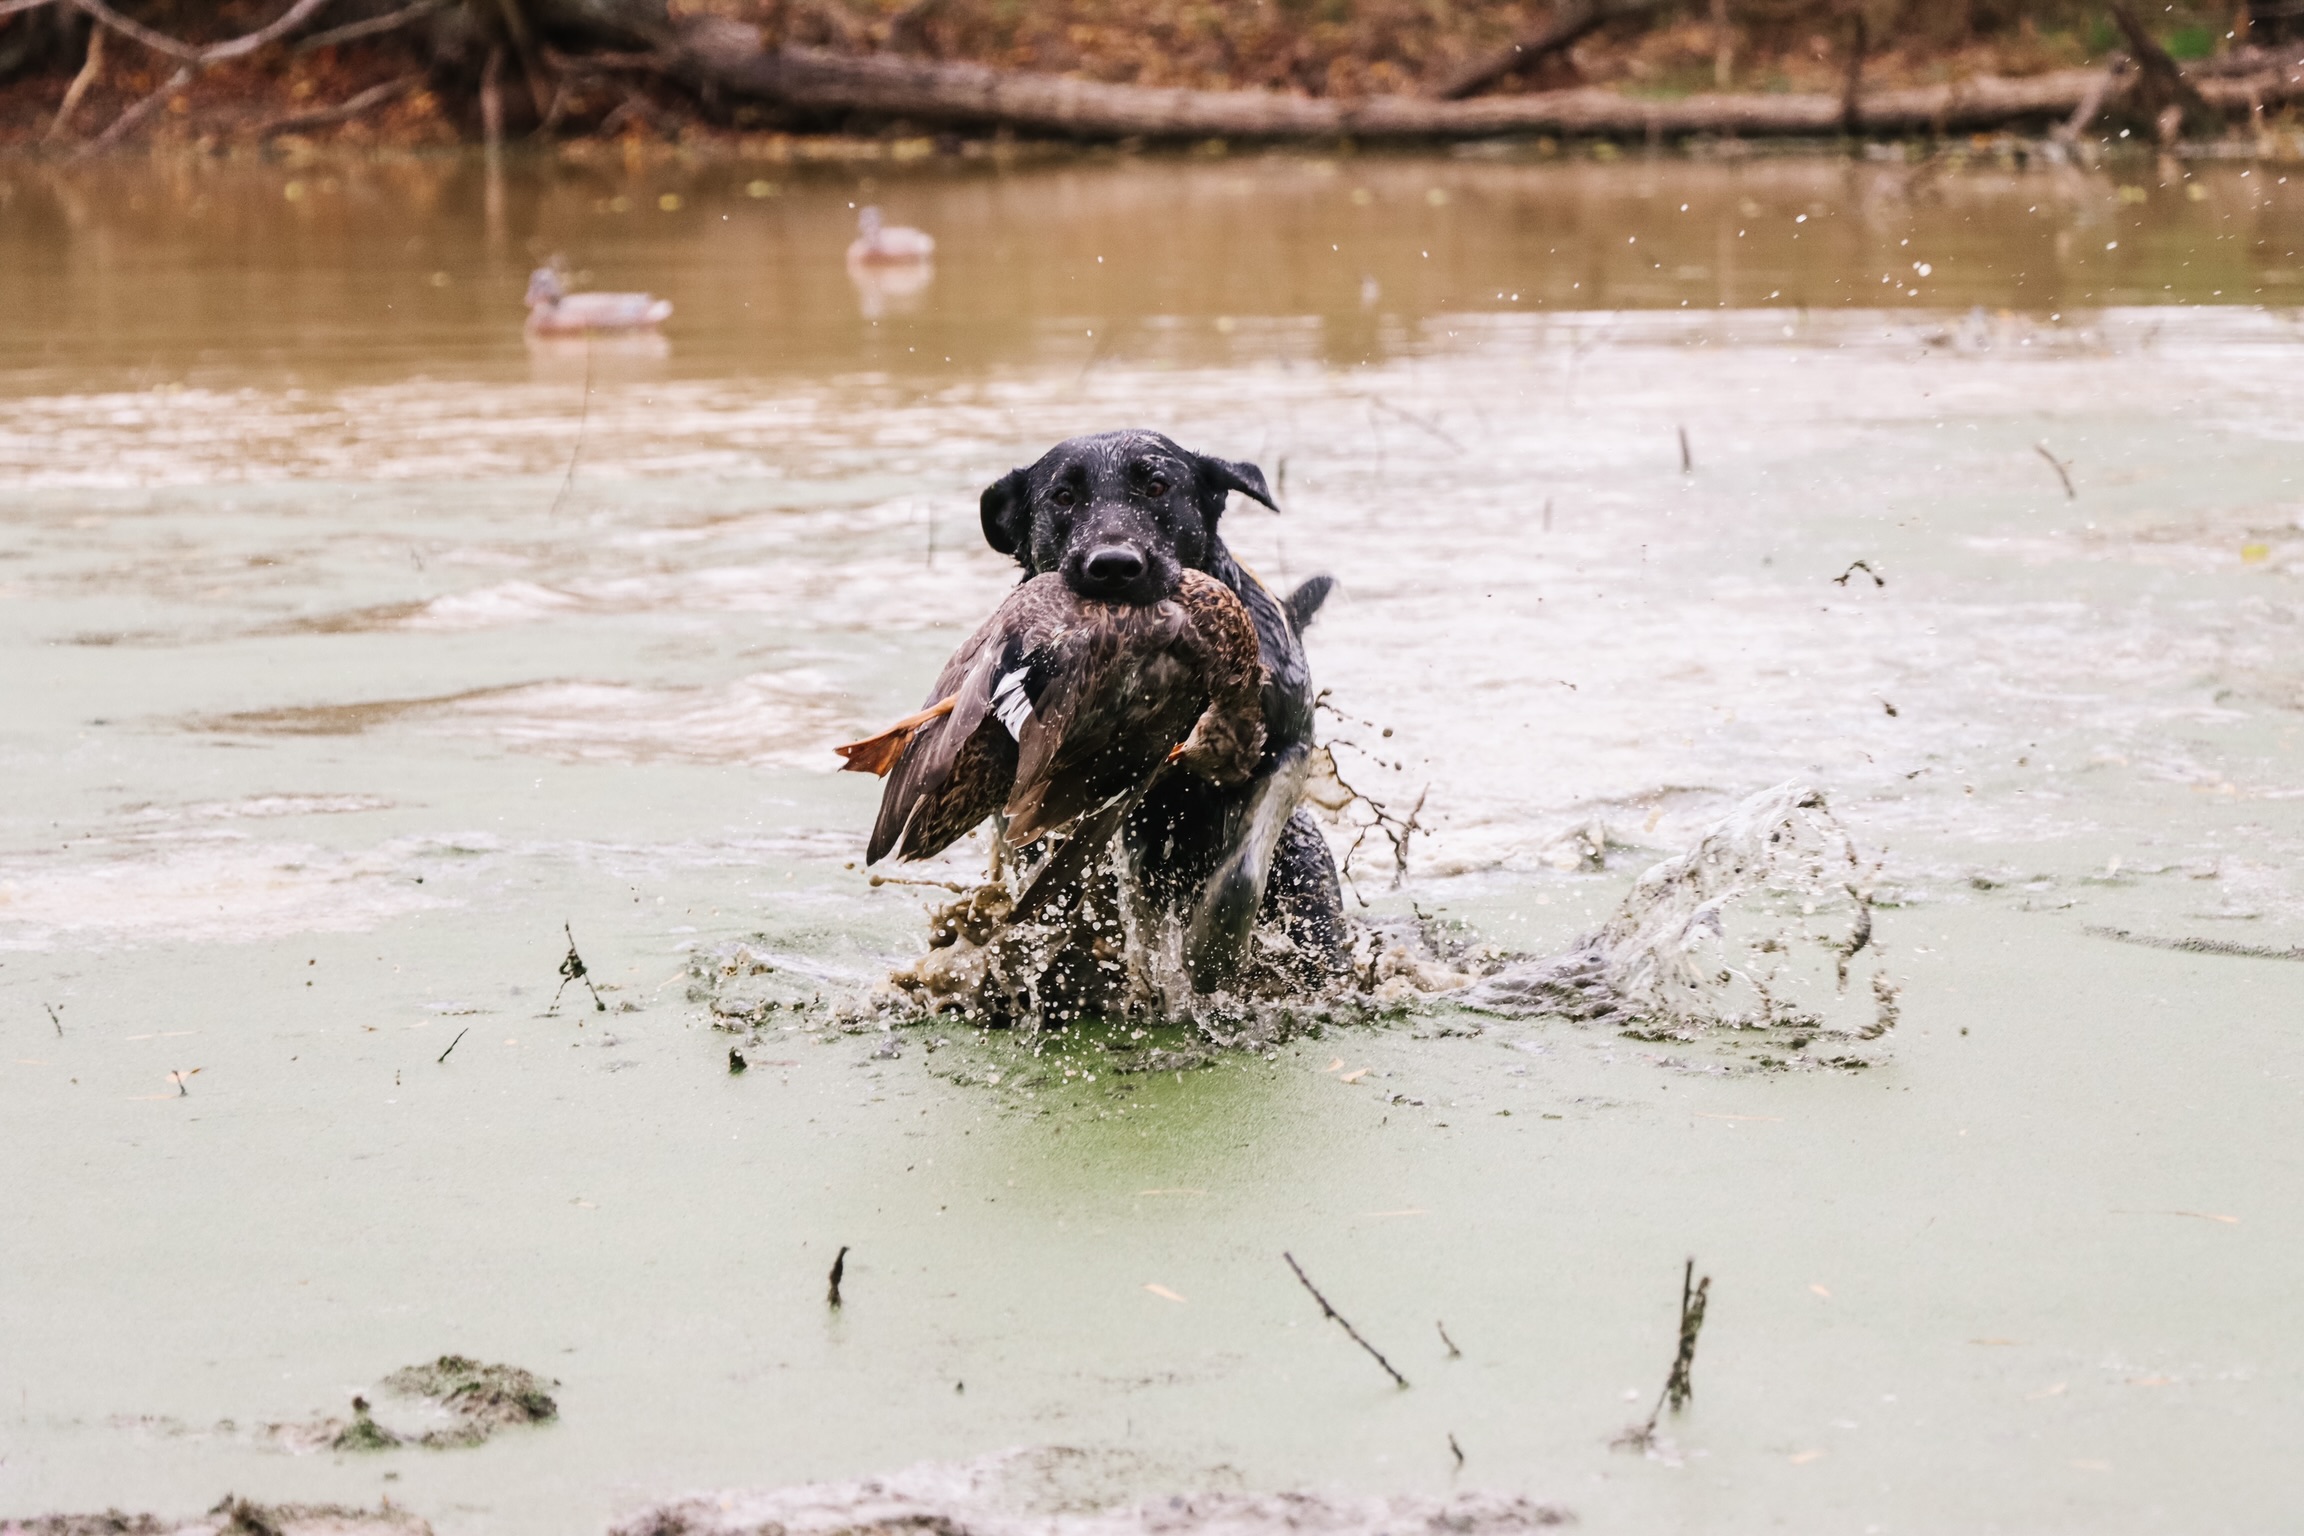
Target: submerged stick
{"type": "Point", "coordinates": [2192, 946]}
{"type": "Point", "coordinates": [1338, 1318]}
{"type": "Point", "coordinates": [839, 1268]}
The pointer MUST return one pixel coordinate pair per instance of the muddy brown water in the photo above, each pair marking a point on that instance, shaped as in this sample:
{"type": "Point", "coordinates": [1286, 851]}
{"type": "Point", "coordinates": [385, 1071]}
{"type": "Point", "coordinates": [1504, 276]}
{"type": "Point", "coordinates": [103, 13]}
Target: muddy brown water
{"type": "Point", "coordinates": [354, 645]}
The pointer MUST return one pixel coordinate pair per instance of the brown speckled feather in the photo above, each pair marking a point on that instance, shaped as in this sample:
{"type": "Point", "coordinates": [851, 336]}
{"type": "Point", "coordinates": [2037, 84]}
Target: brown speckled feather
{"type": "Point", "coordinates": [1057, 704]}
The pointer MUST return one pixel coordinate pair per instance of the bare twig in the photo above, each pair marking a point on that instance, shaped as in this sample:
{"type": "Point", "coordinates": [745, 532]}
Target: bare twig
{"type": "Point", "coordinates": [134, 118]}
{"type": "Point", "coordinates": [90, 68]}
{"type": "Point", "coordinates": [572, 969]}
{"type": "Point", "coordinates": [1338, 1319]}
{"type": "Point", "coordinates": [1854, 566]}
{"type": "Point", "coordinates": [59, 1023]}
{"type": "Point", "coordinates": [1456, 1450]}
{"type": "Point", "coordinates": [376, 26]}
{"type": "Point", "coordinates": [1453, 1351]}
{"type": "Point", "coordinates": [1679, 1386]}
{"type": "Point", "coordinates": [459, 1040]}
{"type": "Point", "coordinates": [2062, 467]}
{"type": "Point", "coordinates": [1415, 420]}
{"type": "Point", "coordinates": [583, 421]}
{"type": "Point", "coordinates": [344, 111]}
{"type": "Point", "coordinates": [193, 53]}
{"type": "Point", "coordinates": [181, 1079]}
{"type": "Point", "coordinates": [839, 1268]}
{"type": "Point", "coordinates": [1687, 459]}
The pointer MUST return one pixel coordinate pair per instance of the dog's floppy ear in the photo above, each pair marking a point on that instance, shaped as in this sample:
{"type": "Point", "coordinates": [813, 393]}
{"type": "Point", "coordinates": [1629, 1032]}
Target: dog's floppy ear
{"type": "Point", "coordinates": [1220, 475]}
{"type": "Point", "coordinates": [1003, 511]}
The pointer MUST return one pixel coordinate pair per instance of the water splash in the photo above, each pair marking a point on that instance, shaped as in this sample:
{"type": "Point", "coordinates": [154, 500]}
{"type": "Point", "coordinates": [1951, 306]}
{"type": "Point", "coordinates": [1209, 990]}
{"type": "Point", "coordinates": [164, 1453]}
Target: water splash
{"type": "Point", "coordinates": [1765, 924]}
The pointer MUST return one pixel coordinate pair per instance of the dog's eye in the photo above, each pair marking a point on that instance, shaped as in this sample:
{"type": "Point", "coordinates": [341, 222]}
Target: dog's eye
{"type": "Point", "coordinates": [1062, 496]}
{"type": "Point", "coordinates": [1156, 486]}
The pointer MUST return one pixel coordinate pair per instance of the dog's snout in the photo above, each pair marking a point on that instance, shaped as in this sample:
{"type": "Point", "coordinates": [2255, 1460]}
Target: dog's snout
{"type": "Point", "coordinates": [1113, 565]}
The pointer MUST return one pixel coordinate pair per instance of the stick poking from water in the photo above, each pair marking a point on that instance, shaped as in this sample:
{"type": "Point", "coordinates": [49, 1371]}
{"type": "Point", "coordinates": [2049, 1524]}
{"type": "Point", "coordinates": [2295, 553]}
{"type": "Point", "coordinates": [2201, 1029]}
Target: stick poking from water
{"type": "Point", "coordinates": [1339, 1319]}
{"type": "Point", "coordinates": [572, 969]}
{"type": "Point", "coordinates": [1679, 1387]}
{"type": "Point", "coordinates": [442, 1059]}
{"type": "Point", "coordinates": [2062, 467]}
{"type": "Point", "coordinates": [1687, 459]}
{"type": "Point", "coordinates": [839, 1268]}
{"type": "Point", "coordinates": [1453, 1352]}
{"type": "Point", "coordinates": [59, 1023]}
{"type": "Point", "coordinates": [583, 422]}
{"type": "Point", "coordinates": [1456, 1450]}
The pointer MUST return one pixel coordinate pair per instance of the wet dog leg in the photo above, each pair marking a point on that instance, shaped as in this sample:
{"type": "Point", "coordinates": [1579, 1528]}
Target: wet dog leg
{"type": "Point", "coordinates": [1224, 917]}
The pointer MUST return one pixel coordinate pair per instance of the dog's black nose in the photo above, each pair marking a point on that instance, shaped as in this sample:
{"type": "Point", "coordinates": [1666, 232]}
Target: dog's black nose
{"type": "Point", "coordinates": [1115, 565]}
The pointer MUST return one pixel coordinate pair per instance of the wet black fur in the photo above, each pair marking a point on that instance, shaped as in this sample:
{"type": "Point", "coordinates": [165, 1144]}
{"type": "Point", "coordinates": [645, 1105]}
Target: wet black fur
{"type": "Point", "coordinates": [1121, 515]}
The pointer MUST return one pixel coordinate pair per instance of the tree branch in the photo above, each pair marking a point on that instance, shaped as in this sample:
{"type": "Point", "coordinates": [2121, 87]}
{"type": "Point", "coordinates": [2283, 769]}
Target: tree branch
{"type": "Point", "coordinates": [1567, 27]}
{"type": "Point", "coordinates": [194, 60]}
{"type": "Point", "coordinates": [214, 53]}
{"type": "Point", "coordinates": [375, 26]}
{"type": "Point", "coordinates": [344, 111]}
{"type": "Point", "coordinates": [132, 119]}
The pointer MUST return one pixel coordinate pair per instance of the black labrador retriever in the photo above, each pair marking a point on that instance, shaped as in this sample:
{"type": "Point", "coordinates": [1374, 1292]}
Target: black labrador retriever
{"type": "Point", "coordinates": [1121, 515]}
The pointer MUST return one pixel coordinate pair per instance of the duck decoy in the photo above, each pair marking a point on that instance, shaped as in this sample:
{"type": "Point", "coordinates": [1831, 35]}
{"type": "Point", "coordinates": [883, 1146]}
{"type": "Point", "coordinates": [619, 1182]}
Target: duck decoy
{"type": "Point", "coordinates": [887, 245]}
{"type": "Point", "coordinates": [1060, 706]}
{"type": "Point", "coordinates": [554, 311]}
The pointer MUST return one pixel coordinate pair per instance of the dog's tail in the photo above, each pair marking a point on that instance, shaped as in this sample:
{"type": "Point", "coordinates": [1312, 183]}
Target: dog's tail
{"type": "Point", "coordinates": [1303, 603]}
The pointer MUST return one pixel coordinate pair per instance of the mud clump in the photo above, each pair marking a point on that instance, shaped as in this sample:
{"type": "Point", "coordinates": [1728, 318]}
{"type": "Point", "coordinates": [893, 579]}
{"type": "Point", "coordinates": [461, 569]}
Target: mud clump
{"type": "Point", "coordinates": [231, 1517]}
{"type": "Point", "coordinates": [481, 1398]}
{"type": "Point", "coordinates": [364, 1433]}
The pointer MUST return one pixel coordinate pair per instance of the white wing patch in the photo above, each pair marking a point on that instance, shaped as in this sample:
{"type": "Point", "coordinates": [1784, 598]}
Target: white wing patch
{"type": "Point", "coordinates": [1011, 703]}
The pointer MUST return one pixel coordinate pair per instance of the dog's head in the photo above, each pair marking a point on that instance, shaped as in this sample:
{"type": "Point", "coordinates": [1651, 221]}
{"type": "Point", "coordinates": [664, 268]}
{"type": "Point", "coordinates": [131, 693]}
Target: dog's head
{"type": "Point", "coordinates": [1121, 515]}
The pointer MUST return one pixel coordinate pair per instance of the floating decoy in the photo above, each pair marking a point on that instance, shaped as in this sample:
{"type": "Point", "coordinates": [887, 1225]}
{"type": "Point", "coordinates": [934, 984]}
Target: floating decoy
{"type": "Point", "coordinates": [883, 245]}
{"type": "Point", "coordinates": [1059, 705]}
{"type": "Point", "coordinates": [554, 311]}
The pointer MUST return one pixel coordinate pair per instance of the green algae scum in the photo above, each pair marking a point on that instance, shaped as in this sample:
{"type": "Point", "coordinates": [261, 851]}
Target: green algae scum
{"type": "Point", "coordinates": [1814, 717]}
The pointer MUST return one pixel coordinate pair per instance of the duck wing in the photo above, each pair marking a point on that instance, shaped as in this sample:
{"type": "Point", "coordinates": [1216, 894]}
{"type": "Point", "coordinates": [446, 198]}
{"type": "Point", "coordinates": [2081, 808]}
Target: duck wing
{"type": "Point", "coordinates": [1227, 741]}
{"type": "Point", "coordinates": [951, 765]}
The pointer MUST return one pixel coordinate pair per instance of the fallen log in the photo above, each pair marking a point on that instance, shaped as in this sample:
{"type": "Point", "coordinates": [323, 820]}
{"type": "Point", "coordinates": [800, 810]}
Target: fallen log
{"type": "Point", "coordinates": [976, 95]}
{"type": "Point", "coordinates": [720, 57]}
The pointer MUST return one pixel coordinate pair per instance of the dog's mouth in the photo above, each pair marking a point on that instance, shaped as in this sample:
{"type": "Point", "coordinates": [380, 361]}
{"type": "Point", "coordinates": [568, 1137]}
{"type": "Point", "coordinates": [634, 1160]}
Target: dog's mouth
{"type": "Point", "coordinates": [1120, 572]}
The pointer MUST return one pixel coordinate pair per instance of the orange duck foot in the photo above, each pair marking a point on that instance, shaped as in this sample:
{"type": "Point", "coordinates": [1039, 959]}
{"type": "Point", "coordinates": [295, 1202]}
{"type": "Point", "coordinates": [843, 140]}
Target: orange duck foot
{"type": "Point", "coordinates": [877, 755]}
